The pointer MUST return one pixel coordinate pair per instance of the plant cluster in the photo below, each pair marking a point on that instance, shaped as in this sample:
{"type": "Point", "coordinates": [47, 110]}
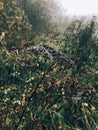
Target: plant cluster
{"type": "Point", "coordinates": [39, 93]}
{"type": "Point", "coordinates": [40, 87]}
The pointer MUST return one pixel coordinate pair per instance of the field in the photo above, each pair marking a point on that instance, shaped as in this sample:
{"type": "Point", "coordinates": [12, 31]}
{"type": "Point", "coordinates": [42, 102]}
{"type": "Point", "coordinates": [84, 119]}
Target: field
{"type": "Point", "coordinates": [49, 78]}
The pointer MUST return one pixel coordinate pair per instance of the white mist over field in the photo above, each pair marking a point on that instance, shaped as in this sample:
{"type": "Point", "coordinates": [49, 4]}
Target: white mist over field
{"type": "Point", "coordinates": [79, 7]}
{"type": "Point", "coordinates": [59, 13]}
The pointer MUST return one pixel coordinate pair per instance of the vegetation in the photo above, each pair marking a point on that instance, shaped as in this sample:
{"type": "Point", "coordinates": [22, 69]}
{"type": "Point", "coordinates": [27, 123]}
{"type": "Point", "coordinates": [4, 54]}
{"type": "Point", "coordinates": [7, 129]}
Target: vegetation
{"type": "Point", "coordinates": [14, 24]}
{"type": "Point", "coordinates": [40, 87]}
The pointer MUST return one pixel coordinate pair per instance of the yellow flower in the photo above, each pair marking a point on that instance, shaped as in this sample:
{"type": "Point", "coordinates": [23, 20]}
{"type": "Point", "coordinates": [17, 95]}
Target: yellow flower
{"type": "Point", "coordinates": [58, 82]}
{"type": "Point", "coordinates": [7, 90]}
{"type": "Point", "coordinates": [17, 102]}
{"type": "Point", "coordinates": [97, 94]}
{"type": "Point", "coordinates": [32, 78]}
{"type": "Point", "coordinates": [8, 120]}
{"type": "Point", "coordinates": [27, 81]}
{"type": "Point", "coordinates": [59, 127]}
{"type": "Point", "coordinates": [93, 108]}
{"type": "Point", "coordinates": [77, 129]}
{"type": "Point", "coordinates": [30, 84]}
{"type": "Point", "coordinates": [42, 73]}
{"type": "Point", "coordinates": [55, 106]}
{"type": "Point", "coordinates": [54, 69]}
{"type": "Point", "coordinates": [85, 104]}
{"type": "Point", "coordinates": [23, 95]}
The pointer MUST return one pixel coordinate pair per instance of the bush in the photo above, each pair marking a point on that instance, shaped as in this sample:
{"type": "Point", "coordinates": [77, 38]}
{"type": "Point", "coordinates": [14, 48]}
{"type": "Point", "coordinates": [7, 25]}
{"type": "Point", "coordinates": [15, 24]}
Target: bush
{"type": "Point", "coordinates": [14, 25]}
{"type": "Point", "coordinates": [40, 93]}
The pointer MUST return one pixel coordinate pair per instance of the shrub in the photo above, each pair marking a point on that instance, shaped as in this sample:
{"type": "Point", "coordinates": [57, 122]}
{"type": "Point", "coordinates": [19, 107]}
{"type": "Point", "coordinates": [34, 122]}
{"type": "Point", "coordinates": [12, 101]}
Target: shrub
{"type": "Point", "coordinates": [38, 92]}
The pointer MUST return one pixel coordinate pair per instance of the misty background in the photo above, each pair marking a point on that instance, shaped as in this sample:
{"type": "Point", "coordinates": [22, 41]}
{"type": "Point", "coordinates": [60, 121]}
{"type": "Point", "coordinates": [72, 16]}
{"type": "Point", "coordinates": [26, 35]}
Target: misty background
{"type": "Point", "coordinates": [48, 14]}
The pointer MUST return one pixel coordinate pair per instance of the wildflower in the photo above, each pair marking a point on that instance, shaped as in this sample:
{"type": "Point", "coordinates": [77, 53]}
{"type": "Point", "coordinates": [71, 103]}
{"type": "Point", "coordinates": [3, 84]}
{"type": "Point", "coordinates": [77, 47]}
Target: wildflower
{"type": "Point", "coordinates": [58, 82]}
{"type": "Point", "coordinates": [55, 106]}
{"type": "Point", "coordinates": [5, 91]}
{"type": "Point", "coordinates": [30, 84]}
{"type": "Point", "coordinates": [97, 94]}
{"type": "Point", "coordinates": [59, 127]}
{"type": "Point", "coordinates": [23, 95]}
{"type": "Point", "coordinates": [27, 81]}
{"type": "Point", "coordinates": [93, 108]}
{"type": "Point", "coordinates": [42, 73]}
{"type": "Point", "coordinates": [32, 78]}
{"type": "Point", "coordinates": [55, 69]}
{"type": "Point", "coordinates": [17, 102]}
{"type": "Point", "coordinates": [17, 73]}
{"type": "Point", "coordinates": [85, 104]}
{"type": "Point", "coordinates": [77, 129]}
{"type": "Point", "coordinates": [63, 93]}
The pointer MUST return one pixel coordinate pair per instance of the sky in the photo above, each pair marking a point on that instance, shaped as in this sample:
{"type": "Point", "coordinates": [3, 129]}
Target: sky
{"type": "Point", "coordinates": [80, 7]}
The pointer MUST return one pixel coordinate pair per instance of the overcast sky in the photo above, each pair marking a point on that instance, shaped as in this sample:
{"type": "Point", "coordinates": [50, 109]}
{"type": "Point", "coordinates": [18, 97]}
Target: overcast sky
{"type": "Point", "coordinates": [80, 7]}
